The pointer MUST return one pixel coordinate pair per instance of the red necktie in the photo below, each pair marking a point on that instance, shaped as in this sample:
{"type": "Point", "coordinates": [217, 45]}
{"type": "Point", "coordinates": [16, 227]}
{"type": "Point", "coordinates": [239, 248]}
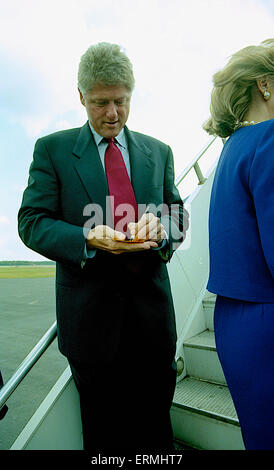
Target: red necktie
{"type": "Point", "coordinates": [120, 188]}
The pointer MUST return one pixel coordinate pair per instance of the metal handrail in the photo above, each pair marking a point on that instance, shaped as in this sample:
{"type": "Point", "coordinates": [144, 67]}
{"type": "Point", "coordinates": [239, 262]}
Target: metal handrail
{"type": "Point", "coordinates": [27, 364]}
{"type": "Point", "coordinates": [38, 350]}
{"type": "Point", "coordinates": [194, 164]}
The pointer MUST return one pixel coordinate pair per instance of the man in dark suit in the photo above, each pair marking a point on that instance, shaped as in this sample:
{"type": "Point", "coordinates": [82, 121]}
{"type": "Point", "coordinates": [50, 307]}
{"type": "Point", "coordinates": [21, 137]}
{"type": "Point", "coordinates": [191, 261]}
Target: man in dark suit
{"type": "Point", "coordinates": [114, 306]}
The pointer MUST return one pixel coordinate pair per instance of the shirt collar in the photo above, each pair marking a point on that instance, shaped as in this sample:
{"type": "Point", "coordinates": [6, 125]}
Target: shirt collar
{"type": "Point", "coordinates": [120, 138]}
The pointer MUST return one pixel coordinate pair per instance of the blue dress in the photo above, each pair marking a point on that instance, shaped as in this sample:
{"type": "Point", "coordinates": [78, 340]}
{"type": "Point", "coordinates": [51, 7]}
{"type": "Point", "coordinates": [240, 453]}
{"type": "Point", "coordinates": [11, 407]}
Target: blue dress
{"type": "Point", "coordinates": [241, 245]}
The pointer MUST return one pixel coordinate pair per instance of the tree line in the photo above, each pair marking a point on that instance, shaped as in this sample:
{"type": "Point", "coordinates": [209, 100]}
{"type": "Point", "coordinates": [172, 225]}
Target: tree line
{"type": "Point", "coordinates": [27, 263]}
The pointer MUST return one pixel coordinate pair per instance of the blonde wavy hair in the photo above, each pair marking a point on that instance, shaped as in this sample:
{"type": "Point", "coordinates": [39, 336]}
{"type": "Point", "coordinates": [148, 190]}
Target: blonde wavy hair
{"type": "Point", "coordinates": [233, 87]}
{"type": "Point", "coordinates": [106, 64]}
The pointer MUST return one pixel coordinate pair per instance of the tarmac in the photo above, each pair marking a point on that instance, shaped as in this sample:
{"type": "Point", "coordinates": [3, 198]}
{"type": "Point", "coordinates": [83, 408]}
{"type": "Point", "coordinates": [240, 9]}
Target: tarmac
{"type": "Point", "coordinates": [27, 311]}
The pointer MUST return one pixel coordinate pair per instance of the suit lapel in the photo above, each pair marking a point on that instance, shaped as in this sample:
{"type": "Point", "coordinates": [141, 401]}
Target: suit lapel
{"type": "Point", "coordinates": [89, 167]}
{"type": "Point", "coordinates": [142, 166]}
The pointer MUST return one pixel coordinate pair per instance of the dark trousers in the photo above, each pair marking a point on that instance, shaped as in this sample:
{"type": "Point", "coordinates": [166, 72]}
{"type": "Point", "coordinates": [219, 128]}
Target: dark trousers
{"type": "Point", "coordinates": [125, 404]}
{"type": "Point", "coordinates": [124, 410]}
{"type": "Point", "coordinates": [244, 334]}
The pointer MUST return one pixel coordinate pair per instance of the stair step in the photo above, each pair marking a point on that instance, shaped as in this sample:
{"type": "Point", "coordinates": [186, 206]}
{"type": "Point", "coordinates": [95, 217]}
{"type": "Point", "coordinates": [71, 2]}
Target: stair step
{"type": "Point", "coordinates": [209, 296]}
{"type": "Point", "coordinates": [203, 415]}
{"type": "Point", "coordinates": [210, 399]}
{"type": "Point", "coordinates": [201, 358]}
{"type": "Point", "coordinates": [208, 307]}
{"type": "Point", "coordinates": [204, 340]}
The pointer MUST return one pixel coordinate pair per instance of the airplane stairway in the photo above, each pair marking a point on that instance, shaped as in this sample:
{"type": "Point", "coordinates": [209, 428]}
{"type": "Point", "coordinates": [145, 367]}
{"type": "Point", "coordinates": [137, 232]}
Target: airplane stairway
{"type": "Point", "coordinates": [203, 414]}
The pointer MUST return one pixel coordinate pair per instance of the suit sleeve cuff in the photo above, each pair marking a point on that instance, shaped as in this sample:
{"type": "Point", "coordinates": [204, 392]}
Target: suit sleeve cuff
{"type": "Point", "coordinates": [87, 254]}
{"type": "Point", "coordinates": [162, 245]}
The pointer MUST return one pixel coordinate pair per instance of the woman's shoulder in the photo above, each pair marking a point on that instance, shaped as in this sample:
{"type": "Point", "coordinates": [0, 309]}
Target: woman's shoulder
{"type": "Point", "coordinates": [253, 136]}
{"type": "Point", "coordinates": [264, 137]}
{"type": "Point", "coordinates": [256, 130]}
{"type": "Point", "coordinates": [264, 151]}
{"type": "Point", "coordinates": [265, 128]}
{"type": "Point", "coordinates": [267, 131]}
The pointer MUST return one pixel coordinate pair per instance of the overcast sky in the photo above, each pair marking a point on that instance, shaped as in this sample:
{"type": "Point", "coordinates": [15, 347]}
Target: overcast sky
{"type": "Point", "coordinates": [175, 47]}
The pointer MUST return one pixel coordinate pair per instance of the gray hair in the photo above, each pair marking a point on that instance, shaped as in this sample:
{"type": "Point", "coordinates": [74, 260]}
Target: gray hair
{"type": "Point", "coordinates": [106, 64]}
{"type": "Point", "coordinates": [233, 86]}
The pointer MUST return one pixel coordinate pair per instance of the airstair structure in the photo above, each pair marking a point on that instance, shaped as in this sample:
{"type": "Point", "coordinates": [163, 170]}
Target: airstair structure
{"type": "Point", "coordinates": [203, 415]}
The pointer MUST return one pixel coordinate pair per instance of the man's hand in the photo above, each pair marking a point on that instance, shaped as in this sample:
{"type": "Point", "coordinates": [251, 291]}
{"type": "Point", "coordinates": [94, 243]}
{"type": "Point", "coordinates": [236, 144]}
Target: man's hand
{"type": "Point", "coordinates": [147, 228]}
{"type": "Point", "coordinates": [107, 239]}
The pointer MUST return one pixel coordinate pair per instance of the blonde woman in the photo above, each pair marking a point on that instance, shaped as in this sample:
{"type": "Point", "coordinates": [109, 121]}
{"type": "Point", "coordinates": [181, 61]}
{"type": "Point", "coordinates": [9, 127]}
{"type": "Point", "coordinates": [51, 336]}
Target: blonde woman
{"type": "Point", "coordinates": [241, 236]}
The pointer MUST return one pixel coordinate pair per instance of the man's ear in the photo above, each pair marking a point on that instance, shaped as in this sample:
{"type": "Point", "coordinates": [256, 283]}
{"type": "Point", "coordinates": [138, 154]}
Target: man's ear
{"type": "Point", "coordinates": [82, 99]}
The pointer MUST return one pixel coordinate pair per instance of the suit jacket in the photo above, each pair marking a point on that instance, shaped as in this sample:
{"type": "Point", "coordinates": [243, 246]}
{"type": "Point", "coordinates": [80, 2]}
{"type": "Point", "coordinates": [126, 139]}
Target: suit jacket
{"type": "Point", "coordinates": [65, 176]}
{"type": "Point", "coordinates": [241, 218]}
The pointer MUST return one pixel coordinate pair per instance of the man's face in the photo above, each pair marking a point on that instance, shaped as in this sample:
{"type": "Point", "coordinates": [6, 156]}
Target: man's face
{"type": "Point", "coordinates": [107, 108]}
